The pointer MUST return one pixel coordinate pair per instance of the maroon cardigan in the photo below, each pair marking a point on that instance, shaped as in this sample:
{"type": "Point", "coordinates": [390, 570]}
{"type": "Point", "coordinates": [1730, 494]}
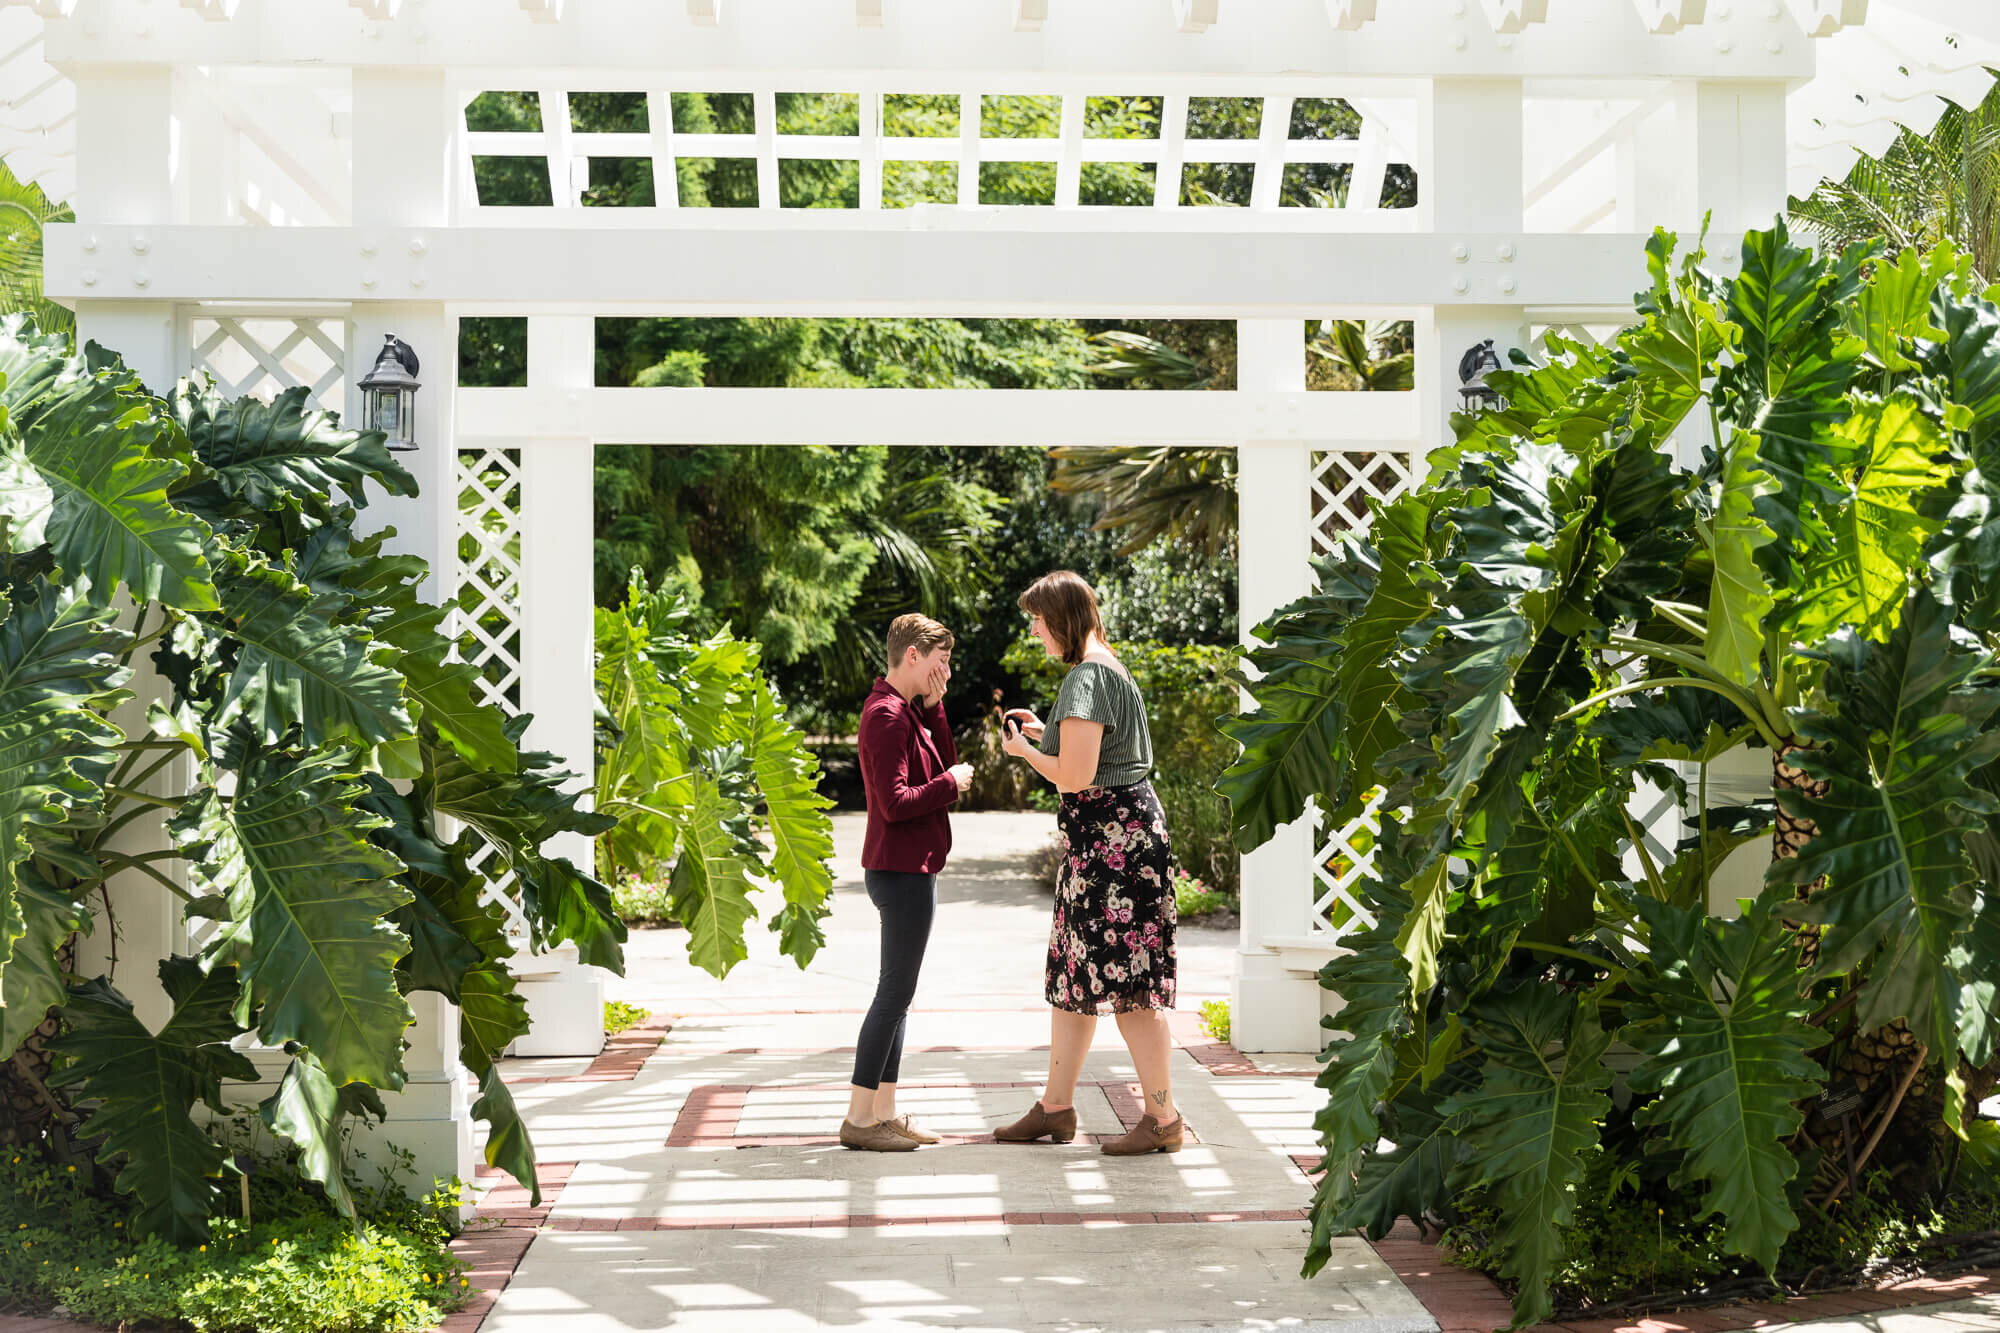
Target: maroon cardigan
{"type": "Point", "coordinates": [906, 752]}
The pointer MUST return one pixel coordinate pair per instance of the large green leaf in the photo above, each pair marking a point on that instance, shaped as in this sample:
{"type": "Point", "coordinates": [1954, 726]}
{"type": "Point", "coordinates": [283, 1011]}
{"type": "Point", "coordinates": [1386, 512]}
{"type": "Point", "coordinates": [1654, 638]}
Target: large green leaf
{"type": "Point", "coordinates": [33, 981]}
{"type": "Point", "coordinates": [710, 885]}
{"type": "Point", "coordinates": [1967, 358]}
{"type": "Point", "coordinates": [263, 455]}
{"type": "Point", "coordinates": [1412, 1178]}
{"type": "Point", "coordinates": [1893, 309]}
{"type": "Point", "coordinates": [145, 1085]}
{"type": "Point", "coordinates": [1720, 1019]}
{"type": "Point", "coordinates": [299, 667]}
{"type": "Point", "coordinates": [59, 661]}
{"type": "Point", "coordinates": [1791, 382]}
{"type": "Point", "coordinates": [517, 813]}
{"type": "Point", "coordinates": [308, 901]}
{"type": "Point", "coordinates": [1739, 596]}
{"type": "Point", "coordinates": [96, 442]}
{"type": "Point", "coordinates": [1675, 351]}
{"type": "Point", "coordinates": [1527, 1126]}
{"type": "Point", "coordinates": [642, 773]}
{"type": "Point", "coordinates": [1897, 745]}
{"type": "Point", "coordinates": [801, 833]}
{"type": "Point", "coordinates": [310, 1111]}
{"type": "Point", "coordinates": [1373, 983]}
{"type": "Point", "coordinates": [1976, 959]}
{"type": "Point", "coordinates": [1879, 529]}
{"type": "Point", "coordinates": [507, 1144]}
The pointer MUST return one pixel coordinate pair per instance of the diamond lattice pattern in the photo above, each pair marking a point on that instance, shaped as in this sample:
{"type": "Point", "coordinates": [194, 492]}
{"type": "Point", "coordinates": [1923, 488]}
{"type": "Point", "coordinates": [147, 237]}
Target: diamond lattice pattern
{"type": "Point", "coordinates": [260, 356]}
{"type": "Point", "coordinates": [1343, 482]}
{"type": "Point", "coordinates": [1342, 858]}
{"type": "Point", "coordinates": [489, 569]}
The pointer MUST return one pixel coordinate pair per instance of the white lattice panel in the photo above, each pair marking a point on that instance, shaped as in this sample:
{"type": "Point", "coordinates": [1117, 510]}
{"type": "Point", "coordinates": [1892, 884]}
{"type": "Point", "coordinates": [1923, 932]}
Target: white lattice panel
{"type": "Point", "coordinates": [489, 569]}
{"type": "Point", "coordinates": [1343, 483]}
{"type": "Point", "coordinates": [1318, 179]}
{"type": "Point", "coordinates": [1342, 858]}
{"type": "Point", "coordinates": [259, 356]}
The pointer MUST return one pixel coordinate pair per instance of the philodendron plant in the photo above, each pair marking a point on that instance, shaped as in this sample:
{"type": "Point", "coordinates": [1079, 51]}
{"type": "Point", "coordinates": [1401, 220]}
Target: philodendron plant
{"type": "Point", "coordinates": [1564, 609]}
{"type": "Point", "coordinates": [332, 737]}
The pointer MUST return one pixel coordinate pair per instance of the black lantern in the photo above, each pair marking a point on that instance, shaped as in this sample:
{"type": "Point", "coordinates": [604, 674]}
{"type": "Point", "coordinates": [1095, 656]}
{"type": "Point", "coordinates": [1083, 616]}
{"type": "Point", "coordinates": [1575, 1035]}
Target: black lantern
{"type": "Point", "coordinates": [389, 394]}
{"type": "Point", "coordinates": [1473, 391]}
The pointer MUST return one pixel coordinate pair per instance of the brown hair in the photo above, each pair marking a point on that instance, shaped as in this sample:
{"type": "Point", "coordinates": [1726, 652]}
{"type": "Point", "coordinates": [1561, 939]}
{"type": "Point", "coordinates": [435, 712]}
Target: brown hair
{"type": "Point", "coordinates": [1068, 608]}
{"type": "Point", "coordinates": [919, 632]}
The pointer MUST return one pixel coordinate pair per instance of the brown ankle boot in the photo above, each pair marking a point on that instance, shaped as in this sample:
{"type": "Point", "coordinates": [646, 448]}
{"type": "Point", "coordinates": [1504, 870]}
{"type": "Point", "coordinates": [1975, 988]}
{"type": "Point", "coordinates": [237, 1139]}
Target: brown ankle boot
{"type": "Point", "coordinates": [1149, 1136]}
{"type": "Point", "coordinates": [1059, 1126]}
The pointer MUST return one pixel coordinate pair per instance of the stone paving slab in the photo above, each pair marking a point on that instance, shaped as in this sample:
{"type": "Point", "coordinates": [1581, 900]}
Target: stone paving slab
{"type": "Point", "coordinates": [734, 1186]}
{"type": "Point", "coordinates": [1239, 1275]}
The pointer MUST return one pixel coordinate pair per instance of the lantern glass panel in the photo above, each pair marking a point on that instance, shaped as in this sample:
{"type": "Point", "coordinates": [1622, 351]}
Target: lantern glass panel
{"type": "Point", "coordinates": [386, 414]}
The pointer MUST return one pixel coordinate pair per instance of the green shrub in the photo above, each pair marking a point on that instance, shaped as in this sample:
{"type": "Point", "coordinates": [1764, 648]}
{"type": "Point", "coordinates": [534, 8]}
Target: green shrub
{"type": "Point", "coordinates": [1215, 1018]}
{"type": "Point", "coordinates": [618, 1016]}
{"type": "Point", "coordinates": [1198, 823]}
{"type": "Point", "coordinates": [1636, 1235]}
{"type": "Point", "coordinates": [1192, 897]}
{"type": "Point", "coordinates": [642, 902]}
{"type": "Point", "coordinates": [295, 1267]}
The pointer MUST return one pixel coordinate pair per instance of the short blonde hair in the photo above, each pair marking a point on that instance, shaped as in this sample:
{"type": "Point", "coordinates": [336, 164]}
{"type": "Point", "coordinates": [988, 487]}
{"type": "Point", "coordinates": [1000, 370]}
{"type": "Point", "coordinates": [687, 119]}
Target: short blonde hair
{"type": "Point", "coordinates": [918, 632]}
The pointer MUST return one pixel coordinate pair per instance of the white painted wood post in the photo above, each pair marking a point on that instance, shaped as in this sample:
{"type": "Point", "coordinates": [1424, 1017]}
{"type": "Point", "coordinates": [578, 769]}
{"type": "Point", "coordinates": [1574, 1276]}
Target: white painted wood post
{"type": "Point", "coordinates": [122, 177]}
{"type": "Point", "coordinates": [1274, 1001]}
{"type": "Point", "coordinates": [403, 134]}
{"type": "Point", "coordinates": [565, 997]}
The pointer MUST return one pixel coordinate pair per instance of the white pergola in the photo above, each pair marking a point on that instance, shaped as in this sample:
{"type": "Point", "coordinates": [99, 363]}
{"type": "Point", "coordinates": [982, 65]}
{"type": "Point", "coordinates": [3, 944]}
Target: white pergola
{"type": "Point", "coordinates": [264, 188]}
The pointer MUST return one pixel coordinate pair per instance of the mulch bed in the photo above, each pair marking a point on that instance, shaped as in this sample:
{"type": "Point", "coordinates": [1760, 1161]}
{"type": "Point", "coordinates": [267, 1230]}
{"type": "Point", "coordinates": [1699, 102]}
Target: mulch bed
{"type": "Point", "coordinates": [1463, 1301]}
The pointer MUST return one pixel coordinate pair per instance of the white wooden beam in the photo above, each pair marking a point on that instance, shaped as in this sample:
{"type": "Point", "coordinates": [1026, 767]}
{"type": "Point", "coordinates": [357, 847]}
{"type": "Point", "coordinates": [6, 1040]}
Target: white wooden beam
{"type": "Point", "coordinates": [1823, 18]}
{"type": "Point", "coordinates": [377, 9]}
{"type": "Point", "coordinates": [1196, 16]}
{"type": "Point", "coordinates": [1666, 16]}
{"type": "Point", "coordinates": [868, 13]}
{"type": "Point", "coordinates": [1112, 42]}
{"type": "Point", "coordinates": [1507, 16]}
{"type": "Point", "coordinates": [936, 416]}
{"type": "Point", "coordinates": [215, 11]}
{"type": "Point", "coordinates": [705, 13]}
{"type": "Point", "coordinates": [543, 11]}
{"type": "Point", "coordinates": [1030, 15]}
{"type": "Point", "coordinates": [691, 261]}
{"type": "Point", "coordinates": [1350, 15]}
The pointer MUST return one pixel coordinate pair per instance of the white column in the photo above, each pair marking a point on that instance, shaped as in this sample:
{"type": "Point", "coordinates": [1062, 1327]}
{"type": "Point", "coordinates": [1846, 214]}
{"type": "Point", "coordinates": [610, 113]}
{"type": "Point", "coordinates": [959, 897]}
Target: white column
{"type": "Point", "coordinates": [565, 998]}
{"type": "Point", "coordinates": [1470, 154]}
{"type": "Point", "coordinates": [401, 188]}
{"type": "Point", "coordinates": [1274, 1000]}
{"type": "Point", "coordinates": [122, 177]}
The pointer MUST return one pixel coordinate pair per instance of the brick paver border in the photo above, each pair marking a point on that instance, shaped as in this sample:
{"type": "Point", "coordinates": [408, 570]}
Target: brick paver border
{"type": "Point", "coordinates": [496, 1251]}
{"type": "Point", "coordinates": [842, 1220]}
{"type": "Point", "coordinates": [620, 1060]}
{"type": "Point", "coordinates": [712, 1115]}
{"type": "Point", "coordinates": [1463, 1301]}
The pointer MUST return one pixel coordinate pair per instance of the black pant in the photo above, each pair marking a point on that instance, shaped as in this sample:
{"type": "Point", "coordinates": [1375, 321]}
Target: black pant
{"type": "Point", "coordinates": [907, 903]}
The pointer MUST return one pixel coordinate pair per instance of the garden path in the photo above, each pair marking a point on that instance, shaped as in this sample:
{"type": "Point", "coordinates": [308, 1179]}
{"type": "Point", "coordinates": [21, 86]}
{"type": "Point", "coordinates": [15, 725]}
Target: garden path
{"type": "Point", "coordinates": [707, 1191]}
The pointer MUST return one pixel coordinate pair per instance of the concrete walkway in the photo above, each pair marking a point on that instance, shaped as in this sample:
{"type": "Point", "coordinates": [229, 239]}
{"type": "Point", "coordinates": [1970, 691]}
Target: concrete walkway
{"type": "Point", "coordinates": [707, 1193]}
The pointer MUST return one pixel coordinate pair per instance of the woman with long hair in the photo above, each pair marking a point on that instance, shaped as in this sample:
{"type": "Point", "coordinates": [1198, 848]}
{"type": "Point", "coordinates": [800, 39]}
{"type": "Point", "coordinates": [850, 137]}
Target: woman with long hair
{"type": "Point", "coordinates": [1112, 942]}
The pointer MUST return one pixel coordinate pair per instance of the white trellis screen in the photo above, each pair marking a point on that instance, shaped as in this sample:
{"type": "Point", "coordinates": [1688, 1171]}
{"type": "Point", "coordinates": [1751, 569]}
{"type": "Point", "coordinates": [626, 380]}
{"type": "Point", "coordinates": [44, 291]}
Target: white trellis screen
{"type": "Point", "coordinates": [930, 146]}
{"type": "Point", "coordinates": [259, 355]}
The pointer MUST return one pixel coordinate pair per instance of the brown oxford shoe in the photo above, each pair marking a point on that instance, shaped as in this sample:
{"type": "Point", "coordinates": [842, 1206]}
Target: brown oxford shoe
{"type": "Point", "coordinates": [1059, 1126]}
{"type": "Point", "coordinates": [878, 1137]}
{"type": "Point", "coordinates": [901, 1124]}
{"type": "Point", "coordinates": [1148, 1136]}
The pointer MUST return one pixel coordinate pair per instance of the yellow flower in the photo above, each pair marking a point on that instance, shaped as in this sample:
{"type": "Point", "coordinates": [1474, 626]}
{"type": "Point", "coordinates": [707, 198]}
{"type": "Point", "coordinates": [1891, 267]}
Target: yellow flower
{"type": "Point", "coordinates": [72, 1170]}
{"type": "Point", "coordinates": [204, 1249]}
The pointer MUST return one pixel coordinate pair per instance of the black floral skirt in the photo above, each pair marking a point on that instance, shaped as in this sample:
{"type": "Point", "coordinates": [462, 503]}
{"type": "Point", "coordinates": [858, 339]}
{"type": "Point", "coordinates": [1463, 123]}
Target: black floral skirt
{"type": "Point", "coordinates": [1113, 938]}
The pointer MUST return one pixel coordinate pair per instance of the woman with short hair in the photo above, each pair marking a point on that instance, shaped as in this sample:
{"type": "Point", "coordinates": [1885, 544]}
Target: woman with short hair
{"type": "Point", "coordinates": [912, 775]}
{"type": "Point", "coordinates": [1112, 942]}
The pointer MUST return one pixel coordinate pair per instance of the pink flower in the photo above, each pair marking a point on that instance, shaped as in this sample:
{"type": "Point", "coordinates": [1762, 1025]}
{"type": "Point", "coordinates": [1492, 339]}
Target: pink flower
{"type": "Point", "coordinates": [1116, 860]}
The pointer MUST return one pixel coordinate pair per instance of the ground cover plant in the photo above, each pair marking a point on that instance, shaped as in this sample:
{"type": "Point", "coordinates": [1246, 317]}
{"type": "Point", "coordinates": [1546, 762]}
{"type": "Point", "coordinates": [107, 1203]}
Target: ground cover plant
{"type": "Point", "coordinates": [284, 1261]}
{"type": "Point", "coordinates": [1564, 610]}
{"type": "Point", "coordinates": [305, 739]}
